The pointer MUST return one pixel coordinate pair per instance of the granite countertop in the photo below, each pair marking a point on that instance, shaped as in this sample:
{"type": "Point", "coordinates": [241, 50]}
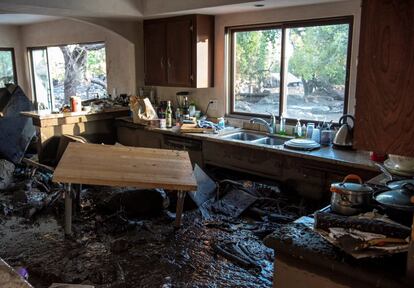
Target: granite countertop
{"type": "Point", "coordinates": [355, 159]}
{"type": "Point", "coordinates": [302, 247]}
{"type": "Point", "coordinates": [41, 115]}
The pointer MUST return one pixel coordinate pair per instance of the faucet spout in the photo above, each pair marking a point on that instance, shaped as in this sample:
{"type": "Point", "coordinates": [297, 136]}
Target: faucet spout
{"type": "Point", "coordinates": [270, 126]}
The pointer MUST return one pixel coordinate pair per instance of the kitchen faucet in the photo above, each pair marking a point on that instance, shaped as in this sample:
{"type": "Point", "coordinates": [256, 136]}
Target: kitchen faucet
{"type": "Point", "coordinates": [271, 126]}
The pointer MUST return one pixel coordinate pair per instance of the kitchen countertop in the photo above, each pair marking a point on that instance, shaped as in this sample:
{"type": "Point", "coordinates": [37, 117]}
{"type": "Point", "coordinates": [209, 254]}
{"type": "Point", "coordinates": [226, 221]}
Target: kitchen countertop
{"type": "Point", "coordinates": [299, 246]}
{"type": "Point", "coordinates": [42, 115]}
{"type": "Point", "coordinates": [350, 158]}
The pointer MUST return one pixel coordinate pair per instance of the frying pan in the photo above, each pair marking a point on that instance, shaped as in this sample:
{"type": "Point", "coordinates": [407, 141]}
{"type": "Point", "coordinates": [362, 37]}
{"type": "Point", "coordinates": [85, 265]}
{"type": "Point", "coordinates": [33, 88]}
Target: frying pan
{"type": "Point", "coordinates": [396, 202]}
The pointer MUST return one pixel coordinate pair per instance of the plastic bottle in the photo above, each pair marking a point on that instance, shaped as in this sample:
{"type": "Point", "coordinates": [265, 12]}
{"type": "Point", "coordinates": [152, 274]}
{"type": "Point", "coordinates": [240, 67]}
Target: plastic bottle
{"type": "Point", "coordinates": [309, 130]}
{"type": "Point", "coordinates": [168, 115]}
{"type": "Point", "coordinates": [282, 126]}
{"type": "Point", "coordinates": [298, 129]}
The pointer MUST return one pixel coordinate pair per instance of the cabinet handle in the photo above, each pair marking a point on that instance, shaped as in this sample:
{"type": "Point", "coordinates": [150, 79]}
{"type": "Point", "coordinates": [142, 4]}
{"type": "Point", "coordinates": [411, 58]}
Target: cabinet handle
{"type": "Point", "coordinates": [162, 62]}
{"type": "Point", "coordinates": [168, 63]}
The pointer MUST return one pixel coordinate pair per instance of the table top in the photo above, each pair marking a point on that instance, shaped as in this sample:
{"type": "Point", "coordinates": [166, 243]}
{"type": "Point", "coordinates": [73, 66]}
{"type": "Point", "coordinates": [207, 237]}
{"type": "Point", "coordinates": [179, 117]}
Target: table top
{"type": "Point", "coordinates": [124, 166]}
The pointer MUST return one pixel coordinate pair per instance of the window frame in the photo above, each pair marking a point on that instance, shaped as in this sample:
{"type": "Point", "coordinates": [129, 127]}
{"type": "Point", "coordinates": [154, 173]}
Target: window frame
{"type": "Point", "coordinates": [51, 95]}
{"type": "Point", "coordinates": [349, 19]}
{"type": "Point", "coordinates": [11, 49]}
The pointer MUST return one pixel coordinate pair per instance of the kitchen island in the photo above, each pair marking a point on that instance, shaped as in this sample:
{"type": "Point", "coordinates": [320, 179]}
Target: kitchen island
{"type": "Point", "coordinates": [304, 259]}
{"type": "Point", "coordinates": [96, 126]}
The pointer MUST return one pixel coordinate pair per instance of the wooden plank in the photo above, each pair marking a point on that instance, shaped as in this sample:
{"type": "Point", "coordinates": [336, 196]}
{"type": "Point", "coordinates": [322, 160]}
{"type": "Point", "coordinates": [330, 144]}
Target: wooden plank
{"type": "Point", "coordinates": [125, 166]}
{"type": "Point", "coordinates": [384, 99]}
{"type": "Point", "coordinates": [192, 128]}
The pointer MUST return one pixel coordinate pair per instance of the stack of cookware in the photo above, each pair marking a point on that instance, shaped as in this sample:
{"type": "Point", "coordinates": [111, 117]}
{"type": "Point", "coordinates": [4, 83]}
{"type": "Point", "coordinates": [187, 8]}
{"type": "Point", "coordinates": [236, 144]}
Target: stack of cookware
{"type": "Point", "coordinates": [352, 196]}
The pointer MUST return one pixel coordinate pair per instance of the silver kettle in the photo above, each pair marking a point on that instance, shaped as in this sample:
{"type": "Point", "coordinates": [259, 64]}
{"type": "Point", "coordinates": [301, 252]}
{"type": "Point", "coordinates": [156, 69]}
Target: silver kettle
{"type": "Point", "coordinates": [344, 137]}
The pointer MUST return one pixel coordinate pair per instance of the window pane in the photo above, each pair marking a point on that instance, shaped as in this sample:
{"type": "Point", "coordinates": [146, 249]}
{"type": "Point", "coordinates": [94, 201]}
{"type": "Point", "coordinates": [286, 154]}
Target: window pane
{"type": "Point", "coordinates": [77, 70]}
{"type": "Point", "coordinates": [316, 65]}
{"type": "Point", "coordinates": [256, 74]}
{"type": "Point", "coordinates": [41, 79]}
{"type": "Point", "coordinates": [6, 68]}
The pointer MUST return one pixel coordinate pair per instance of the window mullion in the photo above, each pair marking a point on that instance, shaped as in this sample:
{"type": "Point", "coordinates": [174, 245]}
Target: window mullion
{"type": "Point", "coordinates": [282, 97]}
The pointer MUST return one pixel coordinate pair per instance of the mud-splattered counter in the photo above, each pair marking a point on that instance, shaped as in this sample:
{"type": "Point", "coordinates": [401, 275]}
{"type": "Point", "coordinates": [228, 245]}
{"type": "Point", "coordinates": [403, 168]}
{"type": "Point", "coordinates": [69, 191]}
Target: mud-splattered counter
{"type": "Point", "coordinates": [304, 258]}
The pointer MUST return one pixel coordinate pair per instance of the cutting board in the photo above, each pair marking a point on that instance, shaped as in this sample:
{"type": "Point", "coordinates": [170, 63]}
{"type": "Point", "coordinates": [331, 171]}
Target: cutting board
{"type": "Point", "coordinates": [192, 128]}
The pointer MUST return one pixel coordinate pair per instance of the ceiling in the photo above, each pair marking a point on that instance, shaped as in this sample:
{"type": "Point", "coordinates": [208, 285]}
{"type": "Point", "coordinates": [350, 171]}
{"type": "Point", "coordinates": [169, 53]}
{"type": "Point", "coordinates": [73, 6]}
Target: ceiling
{"type": "Point", "coordinates": [20, 12]}
{"type": "Point", "coordinates": [23, 19]}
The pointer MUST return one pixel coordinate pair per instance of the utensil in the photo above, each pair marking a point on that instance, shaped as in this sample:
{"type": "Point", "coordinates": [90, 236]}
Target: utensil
{"type": "Point", "coordinates": [385, 171]}
{"type": "Point", "coordinates": [344, 136]}
{"type": "Point", "coordinates": [396, 203]}
{"type": "Point", "coordinates": [349, 198]}
{"type": "Point", "coordinates": [391, 167]}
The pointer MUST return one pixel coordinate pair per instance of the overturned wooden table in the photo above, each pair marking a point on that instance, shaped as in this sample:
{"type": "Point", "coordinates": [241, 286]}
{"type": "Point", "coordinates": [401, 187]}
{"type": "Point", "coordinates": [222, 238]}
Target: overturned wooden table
{"type": "Point", "coordinates": [124, 166]}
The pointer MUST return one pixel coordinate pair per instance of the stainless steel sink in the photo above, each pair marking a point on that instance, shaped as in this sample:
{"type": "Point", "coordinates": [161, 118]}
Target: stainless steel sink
{"type": "Point", "coordinates": [270, 141]}
{"type": "Point", "coordinates": [244, 136]}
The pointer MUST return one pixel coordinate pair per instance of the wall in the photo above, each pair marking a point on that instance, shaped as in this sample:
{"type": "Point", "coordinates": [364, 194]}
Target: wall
{"type": "Point", "coordinates": [120, 52]}
{"type": "Point", "coordinates": [10, 38]}
{"type": "Point", "coordinates": [202, 96]}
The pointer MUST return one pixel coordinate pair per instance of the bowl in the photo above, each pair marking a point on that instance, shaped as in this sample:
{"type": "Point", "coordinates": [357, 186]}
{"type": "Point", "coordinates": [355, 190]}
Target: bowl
{"type": "Point", "coordinates": [402, 162]}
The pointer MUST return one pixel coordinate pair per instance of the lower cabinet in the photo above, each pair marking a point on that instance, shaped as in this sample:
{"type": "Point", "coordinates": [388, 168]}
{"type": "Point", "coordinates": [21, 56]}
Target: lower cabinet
{"type": "Point", "coordinates": [136, 137]}
{"type": "Point", "coordinates": [243, 159]}
{"type": "Point", "coordinates": [308, 178]}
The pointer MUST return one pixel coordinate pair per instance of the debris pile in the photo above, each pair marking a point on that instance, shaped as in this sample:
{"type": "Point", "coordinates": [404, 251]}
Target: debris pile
{"type": "Point", "coordinates": [125, 237]}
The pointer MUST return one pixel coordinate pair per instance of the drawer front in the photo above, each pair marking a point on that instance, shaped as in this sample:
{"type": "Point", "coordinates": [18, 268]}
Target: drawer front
{"type": "Point", "coordinates": [241, 158]}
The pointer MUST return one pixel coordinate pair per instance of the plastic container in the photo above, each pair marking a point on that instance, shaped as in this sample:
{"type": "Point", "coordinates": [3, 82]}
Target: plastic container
{"type": "Point", "coordinates": [309, 130]}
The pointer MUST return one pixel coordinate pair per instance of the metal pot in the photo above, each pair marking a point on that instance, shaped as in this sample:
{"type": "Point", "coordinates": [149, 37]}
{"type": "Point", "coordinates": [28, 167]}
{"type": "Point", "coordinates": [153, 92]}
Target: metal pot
{"type": "Point", "coordinates": [350, 198]}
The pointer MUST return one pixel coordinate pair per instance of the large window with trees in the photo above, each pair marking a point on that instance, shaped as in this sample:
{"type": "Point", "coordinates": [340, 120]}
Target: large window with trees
{"type": "Point", "coordinates": [298, 69]}
{"type": "Point", "coordinates": [7, 67]}
{"type": "Point", "coordinates": [59, 72]}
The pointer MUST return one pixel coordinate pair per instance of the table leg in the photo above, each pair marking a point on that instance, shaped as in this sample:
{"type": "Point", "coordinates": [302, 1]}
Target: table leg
{"type": "Point", "coordinates": [68, 209]}
{"type": "Point", "coordinates": [179, 209]}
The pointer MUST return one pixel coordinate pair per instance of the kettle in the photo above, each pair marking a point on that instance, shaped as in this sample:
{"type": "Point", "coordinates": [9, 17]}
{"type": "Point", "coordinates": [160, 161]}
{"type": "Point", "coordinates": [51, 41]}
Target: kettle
{"type": "Point", "coordinates": [344, 137]}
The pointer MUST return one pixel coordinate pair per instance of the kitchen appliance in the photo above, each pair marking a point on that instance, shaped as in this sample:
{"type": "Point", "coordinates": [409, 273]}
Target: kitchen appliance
{"type": "Point", "coordinates": [344, 137]}
{"type": "Point", "coordinates": [181, 96]}
{"type": "Point", "coordinates": [350, 198]}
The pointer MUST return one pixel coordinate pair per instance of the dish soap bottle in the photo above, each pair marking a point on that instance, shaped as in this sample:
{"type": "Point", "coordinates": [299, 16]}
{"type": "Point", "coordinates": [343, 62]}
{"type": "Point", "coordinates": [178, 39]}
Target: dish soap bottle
{"type": "Point", "coordinates": [282, 126]}
{"type": "Point", "coordinates": [298, 129]}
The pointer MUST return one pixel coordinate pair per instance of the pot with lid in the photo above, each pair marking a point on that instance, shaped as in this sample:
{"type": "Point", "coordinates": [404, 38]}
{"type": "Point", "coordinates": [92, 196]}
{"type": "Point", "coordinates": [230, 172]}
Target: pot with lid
{"type": "Point", "coordinates": [350, 198]}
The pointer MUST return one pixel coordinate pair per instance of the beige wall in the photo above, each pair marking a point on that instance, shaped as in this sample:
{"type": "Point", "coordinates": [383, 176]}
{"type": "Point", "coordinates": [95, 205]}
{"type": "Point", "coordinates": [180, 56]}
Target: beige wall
{"type": "Point", "coordinates": [120, 53]}
{"type": "Point", "coordinates": [10, 38]}
{"type": "Point", "coordinates": [202, 96]}
{"type": "Point", "coordinates": [123, 50]}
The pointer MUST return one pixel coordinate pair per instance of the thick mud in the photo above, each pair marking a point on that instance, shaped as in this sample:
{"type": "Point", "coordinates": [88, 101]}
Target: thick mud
{"type": "Point", "coordinates": [115, 252]}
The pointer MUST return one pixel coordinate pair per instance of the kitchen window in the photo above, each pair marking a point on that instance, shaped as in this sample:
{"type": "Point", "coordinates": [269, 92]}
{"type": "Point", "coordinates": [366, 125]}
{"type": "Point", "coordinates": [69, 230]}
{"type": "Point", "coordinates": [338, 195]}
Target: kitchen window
{"type": "Point", "coordinates": [59, 72]}
{"type": "Point", "coordinates": [298, 69]}
{"type": "Point", "coordinates": [7, 67]}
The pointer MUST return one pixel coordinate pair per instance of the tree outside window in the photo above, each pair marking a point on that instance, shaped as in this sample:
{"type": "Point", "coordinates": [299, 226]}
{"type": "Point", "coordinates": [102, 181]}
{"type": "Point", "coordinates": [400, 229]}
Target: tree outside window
{"type": "Point", "coordinates": [7, 67]}
{"type": "Point", "coordinates": [307, 73]}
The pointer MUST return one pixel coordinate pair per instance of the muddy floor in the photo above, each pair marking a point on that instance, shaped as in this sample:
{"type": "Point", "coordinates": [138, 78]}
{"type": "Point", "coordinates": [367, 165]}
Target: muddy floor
{"type": "Point", "coordinates": [127, 238]}
{"type": "Point", "coordinates": [109, 252]}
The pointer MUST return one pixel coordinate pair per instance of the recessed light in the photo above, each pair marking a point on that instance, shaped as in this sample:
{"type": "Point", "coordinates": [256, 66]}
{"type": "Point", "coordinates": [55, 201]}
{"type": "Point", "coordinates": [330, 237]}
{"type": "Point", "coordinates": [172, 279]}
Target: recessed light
{"type": "Point", "coordinates": [258, 5]}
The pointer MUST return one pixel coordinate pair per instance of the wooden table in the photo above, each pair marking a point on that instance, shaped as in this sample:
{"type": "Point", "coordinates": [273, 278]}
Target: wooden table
{"type": "Point", "coordinates": [124, 166]}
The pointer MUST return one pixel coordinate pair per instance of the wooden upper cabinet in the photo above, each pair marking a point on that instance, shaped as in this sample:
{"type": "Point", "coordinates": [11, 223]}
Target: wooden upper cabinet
{"type": "Point", "coordinates": [385, 79]}
{"type": "Point", "coordinates": [155, 53]}
{"type": "Point", "coordinates": [179, 52]}
{"type": "Point", "coordinates": [184, 56]}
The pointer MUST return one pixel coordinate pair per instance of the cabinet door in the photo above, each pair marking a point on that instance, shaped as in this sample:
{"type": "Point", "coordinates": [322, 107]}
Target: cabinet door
{"type": "Point", "coordinates": [155, 53]}
{"type": "Point", "coordinates": [384, 95]}
{"type": "Point", "coordinates": [179, 52]}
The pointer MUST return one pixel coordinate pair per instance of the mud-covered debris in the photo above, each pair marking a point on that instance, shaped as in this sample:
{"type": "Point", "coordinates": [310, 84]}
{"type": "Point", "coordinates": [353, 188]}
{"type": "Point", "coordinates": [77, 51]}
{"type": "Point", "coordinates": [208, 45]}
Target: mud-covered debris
{"type": "Point", "coordinates": [6, 173]}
